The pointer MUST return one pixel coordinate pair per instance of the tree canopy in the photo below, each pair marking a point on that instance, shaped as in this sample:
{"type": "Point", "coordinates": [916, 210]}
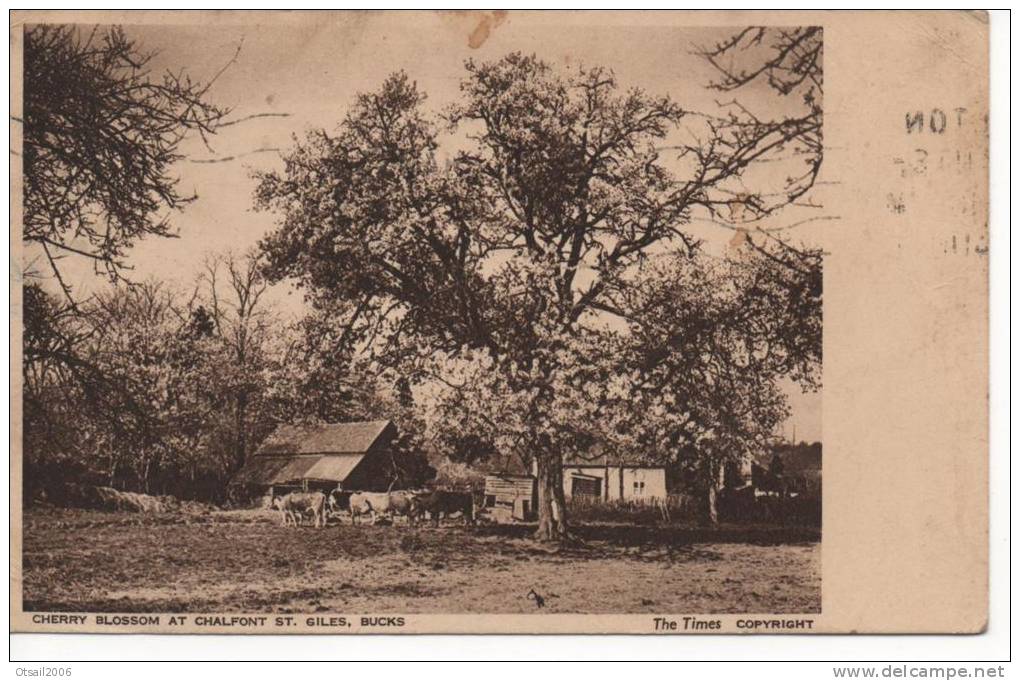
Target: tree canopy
{"type": "Point", "coordinates": [101, 136]}
{"type": "Point", "coordinates": [522, 278]}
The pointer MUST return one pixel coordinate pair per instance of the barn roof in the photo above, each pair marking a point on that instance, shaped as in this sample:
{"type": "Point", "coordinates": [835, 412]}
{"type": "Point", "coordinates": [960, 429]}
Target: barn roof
{"type": "Point", "coordinates": [334, 467]}
{"type": "Point", "coordinates": [356, 437]}
{"type": "Point", "coordinates": [274, 470]}
{"type": "Point", "coordinates": [278, 470]}
{"type": "Point", "coordinates": [328, 452]}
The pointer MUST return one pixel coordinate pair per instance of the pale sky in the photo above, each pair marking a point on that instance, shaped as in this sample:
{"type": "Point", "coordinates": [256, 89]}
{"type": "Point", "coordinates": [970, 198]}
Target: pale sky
{"type": "Point", "coordinates": [312, 73]}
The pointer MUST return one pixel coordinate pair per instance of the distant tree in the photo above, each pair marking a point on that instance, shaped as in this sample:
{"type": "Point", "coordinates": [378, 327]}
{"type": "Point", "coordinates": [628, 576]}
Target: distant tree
{"type": "Point", "coordinates": [233, 288]}
{"type": "Point", "coordinates": [101, 136]}
{"type": "Point", "coordinates": [51, 337]}
{"type": "Point", "coordinates": [493, 275]}
{"type": "Point", "coordinates": [57, 380]}
{"type": "Point", "coordinates": [160, 355]}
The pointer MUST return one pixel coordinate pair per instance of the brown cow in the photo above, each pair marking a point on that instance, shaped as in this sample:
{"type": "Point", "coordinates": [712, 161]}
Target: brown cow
{"type": "Point", "coordinates": [445, 502]}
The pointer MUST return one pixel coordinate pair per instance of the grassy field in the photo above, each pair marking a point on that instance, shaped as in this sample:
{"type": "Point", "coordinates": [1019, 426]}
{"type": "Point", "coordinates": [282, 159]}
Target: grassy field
{"type": "Point", "coordinates": [243, 561]}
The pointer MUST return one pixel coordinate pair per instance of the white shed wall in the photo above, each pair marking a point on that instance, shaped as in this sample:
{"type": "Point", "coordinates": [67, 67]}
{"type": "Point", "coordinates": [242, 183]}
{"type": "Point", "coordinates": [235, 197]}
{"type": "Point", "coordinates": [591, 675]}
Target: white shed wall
{"type": "Point", "coordinates": [639, 484]}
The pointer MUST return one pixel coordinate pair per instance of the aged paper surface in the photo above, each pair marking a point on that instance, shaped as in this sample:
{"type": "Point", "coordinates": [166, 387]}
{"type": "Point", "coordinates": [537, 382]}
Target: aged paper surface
{"type": "Point", "coordinates": [528, 339]}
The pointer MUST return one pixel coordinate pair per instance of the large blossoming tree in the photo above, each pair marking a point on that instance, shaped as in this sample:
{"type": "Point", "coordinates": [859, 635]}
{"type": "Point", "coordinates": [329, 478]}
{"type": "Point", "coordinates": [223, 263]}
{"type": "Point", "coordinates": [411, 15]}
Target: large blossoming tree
{"type": "Point", "coordinates": [540, 285]}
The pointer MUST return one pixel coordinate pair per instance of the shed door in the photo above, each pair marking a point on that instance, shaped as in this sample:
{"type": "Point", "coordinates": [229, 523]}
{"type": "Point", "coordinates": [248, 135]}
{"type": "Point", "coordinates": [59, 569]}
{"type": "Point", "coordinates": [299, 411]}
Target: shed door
{"type": "Point", "coordinates": [586, 487]}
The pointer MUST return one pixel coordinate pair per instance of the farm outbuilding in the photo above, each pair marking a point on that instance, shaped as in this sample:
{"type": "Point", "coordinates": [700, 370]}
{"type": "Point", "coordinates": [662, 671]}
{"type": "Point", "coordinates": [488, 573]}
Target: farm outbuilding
{"type": "Point", "coordinates": [357, 455]}
{"type": "Point", "coordinates": [512, 492]}
{"type": "Point", "coordinates": [510, 497]}
{"type": "Point", "coordinates": [613, 479]}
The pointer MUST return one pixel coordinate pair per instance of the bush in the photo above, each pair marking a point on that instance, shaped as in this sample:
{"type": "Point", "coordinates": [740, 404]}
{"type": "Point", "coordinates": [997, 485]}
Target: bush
{"type": "Point", "coordinates": [734, 506]}
{"type": "Point", "coordinates": [675, 508]}
{"type": "Point", "coordinates": [743, 506]}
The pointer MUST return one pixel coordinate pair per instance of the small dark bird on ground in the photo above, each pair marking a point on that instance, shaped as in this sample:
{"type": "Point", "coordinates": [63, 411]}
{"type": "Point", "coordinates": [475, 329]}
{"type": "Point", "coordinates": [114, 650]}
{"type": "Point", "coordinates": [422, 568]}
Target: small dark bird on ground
{"type": "Point", "coordinates": [539, 601]}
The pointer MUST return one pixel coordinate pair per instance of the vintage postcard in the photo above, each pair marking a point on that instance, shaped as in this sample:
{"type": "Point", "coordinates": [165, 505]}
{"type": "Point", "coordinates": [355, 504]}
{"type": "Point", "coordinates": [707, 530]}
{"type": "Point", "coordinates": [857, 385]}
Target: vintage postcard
{"type": "Point", "coordinates": [499, 322]}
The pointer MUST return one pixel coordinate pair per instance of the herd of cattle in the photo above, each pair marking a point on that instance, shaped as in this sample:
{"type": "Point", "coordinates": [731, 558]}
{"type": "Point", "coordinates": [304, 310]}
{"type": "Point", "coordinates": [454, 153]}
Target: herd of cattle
{"type": "Point", "coordinates": [413, 505]}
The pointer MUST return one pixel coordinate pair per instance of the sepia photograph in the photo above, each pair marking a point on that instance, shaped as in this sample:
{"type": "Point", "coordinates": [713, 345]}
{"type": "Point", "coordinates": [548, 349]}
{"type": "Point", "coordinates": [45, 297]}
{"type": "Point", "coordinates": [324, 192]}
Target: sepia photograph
{"type": "Point", "coordinates": [534, 332]}
{"type": "Point", "coordinates": [498, 322]}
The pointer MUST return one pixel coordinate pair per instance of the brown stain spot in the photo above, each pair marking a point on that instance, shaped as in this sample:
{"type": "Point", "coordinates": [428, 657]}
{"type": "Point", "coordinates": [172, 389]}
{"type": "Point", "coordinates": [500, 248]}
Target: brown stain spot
{"type": "Point", "coordinates": [270, 99]}
{"type": "Point", "coordinates": [487, 22]}
{"type": "Point", "coordinates": [740, 239]}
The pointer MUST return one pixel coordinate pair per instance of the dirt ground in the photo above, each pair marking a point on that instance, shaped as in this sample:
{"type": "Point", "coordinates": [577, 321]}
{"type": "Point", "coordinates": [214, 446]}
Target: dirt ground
{"type": "Point", "coordinates": [244, 561]}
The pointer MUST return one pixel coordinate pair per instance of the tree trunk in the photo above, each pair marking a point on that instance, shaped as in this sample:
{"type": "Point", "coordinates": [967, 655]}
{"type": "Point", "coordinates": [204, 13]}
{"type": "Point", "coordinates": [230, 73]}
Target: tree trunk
{"type": "Point", "coordinates": [552, 507]}
{"type": "Point", "coordinates": [240, 451]}
{"type": "Point", "coordinates": [713, 485]}
{"type": "Point", "coordinates": [145, 475]}
{"type": "Point", "coordinates": [713, 505]}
